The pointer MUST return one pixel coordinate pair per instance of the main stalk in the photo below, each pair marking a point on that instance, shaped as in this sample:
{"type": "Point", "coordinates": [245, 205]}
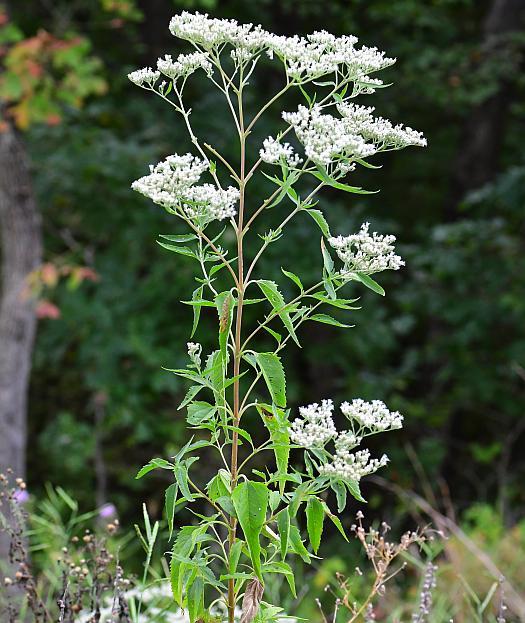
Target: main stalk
{"type": "Point", "coordinates": [237, 345]}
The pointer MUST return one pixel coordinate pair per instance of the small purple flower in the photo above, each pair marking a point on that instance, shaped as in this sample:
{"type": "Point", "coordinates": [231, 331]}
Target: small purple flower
{"type": "Point", "coordinates": [107, 511]}
{"type": "Point", "coordinates": [21, 496]}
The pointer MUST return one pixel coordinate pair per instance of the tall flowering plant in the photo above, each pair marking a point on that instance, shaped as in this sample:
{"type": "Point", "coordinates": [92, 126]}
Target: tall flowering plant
{"type": "Point", "coordinates": [220, 563]}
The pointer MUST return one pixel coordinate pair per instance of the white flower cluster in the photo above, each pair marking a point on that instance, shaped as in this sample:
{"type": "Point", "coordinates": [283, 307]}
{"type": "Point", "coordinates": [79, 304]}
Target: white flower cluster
{"type": "Point", "coordinates": [356, 134]}
{"type": "Point", "coordinates": [273, 151]}
{"type": "Point", "coordinates": [322, 53]}
{"type": "Point", "coordinates": [305, 58]}
{"type": "Point", "coordinates": [352, 466]}
{"type": "Point", "coordinates": [212, 32]}
{"type": "Point", "coordinates": [374, 416]}
{"type": "Point", "coordinates": [171, 184]}
{"type": "Point", "coordinates": [194, 353]}
{"type": "Point", "coordinates": [365, 253]}
{"type": "Point", "coordinates": [359, 120]}
{"type": "Point", "coordinates": [185, 65]}
{"type": "Point", "coordinates": [316, 427]}
{"type": "Point", "coordinates": [140, 77]}
{"type": "Point", "coordinates": [326, 137]}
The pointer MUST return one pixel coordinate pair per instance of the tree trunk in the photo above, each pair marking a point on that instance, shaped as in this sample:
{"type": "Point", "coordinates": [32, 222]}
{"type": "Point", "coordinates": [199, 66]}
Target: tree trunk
{"type": "Point", "coordinates": [21, 243]}
{"type": "Point", "coordinates": [483, 132]}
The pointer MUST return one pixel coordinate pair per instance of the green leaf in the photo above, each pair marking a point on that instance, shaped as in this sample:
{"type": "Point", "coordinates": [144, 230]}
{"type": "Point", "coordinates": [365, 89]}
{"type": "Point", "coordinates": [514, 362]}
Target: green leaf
{"type": "Point", "coordinates": [197, 295]}
{"type": "Point", "coordinates": [190, 395]}
{"type": "Point", "coordinates": [180, 250]}
{"type": "Point", "coordinates": [314, 521]}
{"type": "Point", "coordinates": [340, 303]}
{"type": "Point", "coordinates": [276, 300]}
{"type": "Point", "coordinates": [328, 262]}
{"type": "Point", "coordinates": [340, 494]}
{"type": "Point", "coordinates": [370, 283]}
{"type": "Point", "coordinates": [217, 487]}
{"type": "Point", "coordinates": [195, 599]}
{"type": "Point", "coordinates": [179, 238]}
{"type": "Point", "coordinates": [276, 422]}
{"type": "Point", "coordinates": [283, 568]}
{"type": "Point", "coordinates": [170, 499]}
{"type": "Point", "coordinates": [199, 412]}
{"type": "Point", "coordinates": [319, 218]}
{"type": "Point", "coordinates": [298, 545]}
{"type": "Point", "coordinates": [235, 555]}
{"type": "Point", "coordinates": [273, 374]}
{"type": "Point", "coordinates": [355, 491]}
{"type": "Point", "coordinates": [326, 319]}
{"type": "Point", "coordinates": [224, 303]}
{"type": "Point", "coordinates": [181, 475]}
{"type": "Point", "coordinates": [324, 177]}
{"type": "Point", "coordinates": [183, 546]}
{"type": "Point", "coordinates": [250, 500]}
{"type": "Point", "coordinates": [335, 520]}
{"type": "Point", "coordinates": [283, 525]}
{"type": "Point", "coordinates": [153, 464]}
{"type": "Point", "coordinates": [293, 277]}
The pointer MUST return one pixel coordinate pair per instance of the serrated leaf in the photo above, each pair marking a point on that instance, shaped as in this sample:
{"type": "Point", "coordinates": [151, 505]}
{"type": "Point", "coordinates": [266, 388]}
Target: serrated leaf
{"type": "Point", "coordinates": [170, 496]}
{"type": "Point", "coordinates": [273, 374]}
{"type": "Point", "coordinates": [179, 238]}
{"type": "Point", "coordinates": [328, 262]}
{"type": "Point", "coordinates": [370, 283]}
{"type": "Point", "coordinates": [199, 412]}
{"type": "Point", "coordinates": [355, 491]}
{"type": "Point", "coordinates": [276, 300]}
{"type": "Point", "coordinates": [250, 500]}
{"type": "Point", "coordinates": [283, 568]}
{"type": "Point", "coordinates": [314, 521]}
{"type": "Point", "coordinates": [195, 599]}
{"type": "Point", "coordinates": [340, 494]}
{"type": "Point", "coordinates": [275, 421]}
{"type": "Point", "coordinates": [324, 177]}
{"type": "Point", "coordinates": [197, 295]}
{"type": "Point", "coordinates": [181, 475]}
{"type": "Point", "coordinates": [190, 395]}
{"type": "Point", "coordinates": [322, 223]}
{"type": "Point", "coordinates": [153, 464]}
{"type": "Point", "coordinates": [293, 277]}
{"type": "Point", "coordinates": [283, 525]}
{"type": "Point", "coordinates": [297, 544]}
{"type": "Point", "coordinates": [176, 249]}
{"type": "Point", "coordinates": [326, 319]}
{"type": "Point", "coordinates": [335, 520]}
{"type": "Point", "coordinates": [235, 555]}
{"type": "Point", "coordinates": [224, 303]}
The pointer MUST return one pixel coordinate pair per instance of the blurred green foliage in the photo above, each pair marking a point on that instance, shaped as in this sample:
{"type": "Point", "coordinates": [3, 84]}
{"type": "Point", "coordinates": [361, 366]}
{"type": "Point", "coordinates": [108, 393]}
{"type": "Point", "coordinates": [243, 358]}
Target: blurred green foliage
{"type": "Point", "coordinates": [448, 349]}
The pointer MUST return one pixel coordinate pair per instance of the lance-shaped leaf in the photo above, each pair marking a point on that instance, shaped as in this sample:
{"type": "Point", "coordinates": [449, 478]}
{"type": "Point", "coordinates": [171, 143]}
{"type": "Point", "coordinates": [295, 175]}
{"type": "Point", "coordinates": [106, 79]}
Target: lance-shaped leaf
{"type": "Point", "coordinates": [195, 599]}
{"type": "Point", "coordinates": [273, 374]}
{"type": "Point", "coordinates": [326, 319]}
{"type": "Point", "coordinates": [170, 499]}
{"type": "Point", "coordinates": [199, 412]}
{"type": "Point", "coordinates": [283, 525]}
{"type": "Point", "coordinates": [370, 283]}
{"type": "Point", "coordinates": [250, 500]}
{"type": "Point", "coordinates": [276, 300]}
{"type": "Point", "coordinates": [153, 464]}
{"type": "Point", "coordinates": [225, 304]}
{"type": "Point", "coordinates": [314, 521]}
{"type": "Point", "coordinates": [322, 223]}
{"type": "Point", "coordinates": [276, 422]}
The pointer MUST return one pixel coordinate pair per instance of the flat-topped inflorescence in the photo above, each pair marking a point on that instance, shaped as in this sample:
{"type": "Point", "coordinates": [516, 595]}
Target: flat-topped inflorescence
{"type": "Point", "coordinates": [172, 184]}
{"type": "Point", "coordinates": [366, 253]}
